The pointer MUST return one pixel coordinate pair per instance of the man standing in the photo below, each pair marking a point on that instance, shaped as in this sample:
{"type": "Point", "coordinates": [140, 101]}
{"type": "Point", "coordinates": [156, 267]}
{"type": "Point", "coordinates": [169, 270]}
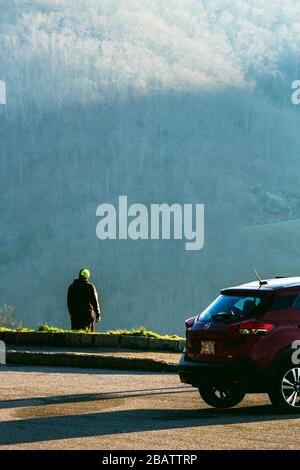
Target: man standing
{"type": "Point", "coordinates": [83, 302]}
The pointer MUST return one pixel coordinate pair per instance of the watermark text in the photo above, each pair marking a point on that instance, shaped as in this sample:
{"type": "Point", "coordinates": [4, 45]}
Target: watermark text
{"type": "Point", "coordinates": [2, 92]}
{"type": "Point", "coordinates": [296, 353]}
{"type": "Point", "coordinates": [2, 353]}
{"type": "Point", "coordinates": [157, 222]}
{"type": "Point", "coordinates": [295, 97]}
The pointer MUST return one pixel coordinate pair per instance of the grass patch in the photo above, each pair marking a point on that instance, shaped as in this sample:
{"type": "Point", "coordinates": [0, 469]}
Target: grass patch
{"type": "Point", "coordinates": [49, 329]}
{"type": "Point", "coordinates": [143, 332]}
{"type": "Point", "coordinates": [45, 328]}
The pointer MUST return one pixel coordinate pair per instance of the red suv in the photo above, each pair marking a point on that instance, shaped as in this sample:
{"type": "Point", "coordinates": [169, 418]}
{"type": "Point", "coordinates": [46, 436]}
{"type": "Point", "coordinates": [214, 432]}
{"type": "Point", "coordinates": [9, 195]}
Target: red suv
{"type": "Point", "coordinates": [247, 341]}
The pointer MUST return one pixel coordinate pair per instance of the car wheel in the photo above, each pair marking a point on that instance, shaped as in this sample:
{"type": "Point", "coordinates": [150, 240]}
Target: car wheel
{"type": "Point", "coordinates": [285, 389]}
{"type": "Point", "coordinates": [222, 397]}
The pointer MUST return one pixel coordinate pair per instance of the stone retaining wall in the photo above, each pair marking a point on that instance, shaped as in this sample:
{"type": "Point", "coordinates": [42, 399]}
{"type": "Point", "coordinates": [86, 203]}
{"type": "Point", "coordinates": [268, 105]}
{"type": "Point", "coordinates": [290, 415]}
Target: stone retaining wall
{"type": "Point", "coordinates": [91, 340]}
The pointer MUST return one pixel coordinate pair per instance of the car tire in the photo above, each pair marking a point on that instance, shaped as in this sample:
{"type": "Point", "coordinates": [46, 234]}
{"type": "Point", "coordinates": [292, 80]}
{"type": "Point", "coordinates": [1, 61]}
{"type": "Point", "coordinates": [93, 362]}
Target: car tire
{"type": "Point", "coordinates": [222, 397]}
{"type": "Point", "coordinates": [285, 389]}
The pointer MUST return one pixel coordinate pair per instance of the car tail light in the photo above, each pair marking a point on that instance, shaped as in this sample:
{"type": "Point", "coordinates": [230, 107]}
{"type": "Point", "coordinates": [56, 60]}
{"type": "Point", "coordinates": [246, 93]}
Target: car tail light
{"type": "Point", "coordinates": [252, 327]}
{"type": "Point", "coordinates": [190, 321]}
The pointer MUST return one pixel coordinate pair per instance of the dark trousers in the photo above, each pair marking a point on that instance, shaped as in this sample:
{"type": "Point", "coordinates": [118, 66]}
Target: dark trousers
{"type": "Point", "coordinates": [79, 324]}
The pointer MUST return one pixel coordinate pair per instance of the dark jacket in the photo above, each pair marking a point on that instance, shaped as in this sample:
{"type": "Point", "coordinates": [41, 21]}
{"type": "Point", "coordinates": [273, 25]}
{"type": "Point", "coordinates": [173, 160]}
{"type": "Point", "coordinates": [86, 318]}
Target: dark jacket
{"type": "Point", "coordinates": [83, 303]}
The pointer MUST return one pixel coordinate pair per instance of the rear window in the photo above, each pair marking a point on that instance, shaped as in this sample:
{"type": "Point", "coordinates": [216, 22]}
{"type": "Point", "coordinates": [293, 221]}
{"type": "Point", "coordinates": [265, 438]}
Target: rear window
{"type": "Point", "coordinates": [233, 308]}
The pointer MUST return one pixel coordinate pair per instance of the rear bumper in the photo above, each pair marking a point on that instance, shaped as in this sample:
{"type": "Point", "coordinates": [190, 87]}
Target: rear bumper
{"type": "Point", "coordinates": [242, 371]}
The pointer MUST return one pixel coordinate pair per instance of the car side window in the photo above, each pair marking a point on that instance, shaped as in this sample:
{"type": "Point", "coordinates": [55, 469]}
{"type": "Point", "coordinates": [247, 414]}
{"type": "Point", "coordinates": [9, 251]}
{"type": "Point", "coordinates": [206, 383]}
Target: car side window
{"type": "Point", "coordinates": [296, 303]}
{"type": "Point", "coordinates": [280, 302]}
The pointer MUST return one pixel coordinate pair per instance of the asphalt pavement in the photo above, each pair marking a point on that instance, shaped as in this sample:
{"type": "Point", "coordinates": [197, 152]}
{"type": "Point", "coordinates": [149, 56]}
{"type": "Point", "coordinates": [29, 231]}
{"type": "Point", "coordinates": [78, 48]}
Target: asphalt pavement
{"type": "Point", "coordinates": [65, 408]}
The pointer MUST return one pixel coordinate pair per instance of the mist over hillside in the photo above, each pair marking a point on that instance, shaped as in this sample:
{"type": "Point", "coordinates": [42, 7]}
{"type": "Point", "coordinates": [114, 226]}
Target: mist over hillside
{"type": "Point", "coordinates": [186, 102]}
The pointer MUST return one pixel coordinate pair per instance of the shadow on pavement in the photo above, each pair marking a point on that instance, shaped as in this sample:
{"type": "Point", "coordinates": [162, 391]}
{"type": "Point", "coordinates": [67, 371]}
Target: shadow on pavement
{"type": "Point", "coordinates": [87, 397]}
{"type": "Point", "coordinates": [128, 421]}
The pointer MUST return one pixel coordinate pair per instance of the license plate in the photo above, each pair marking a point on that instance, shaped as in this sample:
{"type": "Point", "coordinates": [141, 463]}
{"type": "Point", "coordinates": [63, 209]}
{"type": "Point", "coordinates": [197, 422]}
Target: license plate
{"type": "Point", "coordinates": [207, 347]}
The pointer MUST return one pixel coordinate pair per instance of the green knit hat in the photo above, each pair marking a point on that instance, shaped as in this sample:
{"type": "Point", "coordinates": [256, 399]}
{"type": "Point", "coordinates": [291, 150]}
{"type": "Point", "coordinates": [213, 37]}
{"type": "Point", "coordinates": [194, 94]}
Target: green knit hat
{"type": "Point", "coordinates": [85, 273]}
